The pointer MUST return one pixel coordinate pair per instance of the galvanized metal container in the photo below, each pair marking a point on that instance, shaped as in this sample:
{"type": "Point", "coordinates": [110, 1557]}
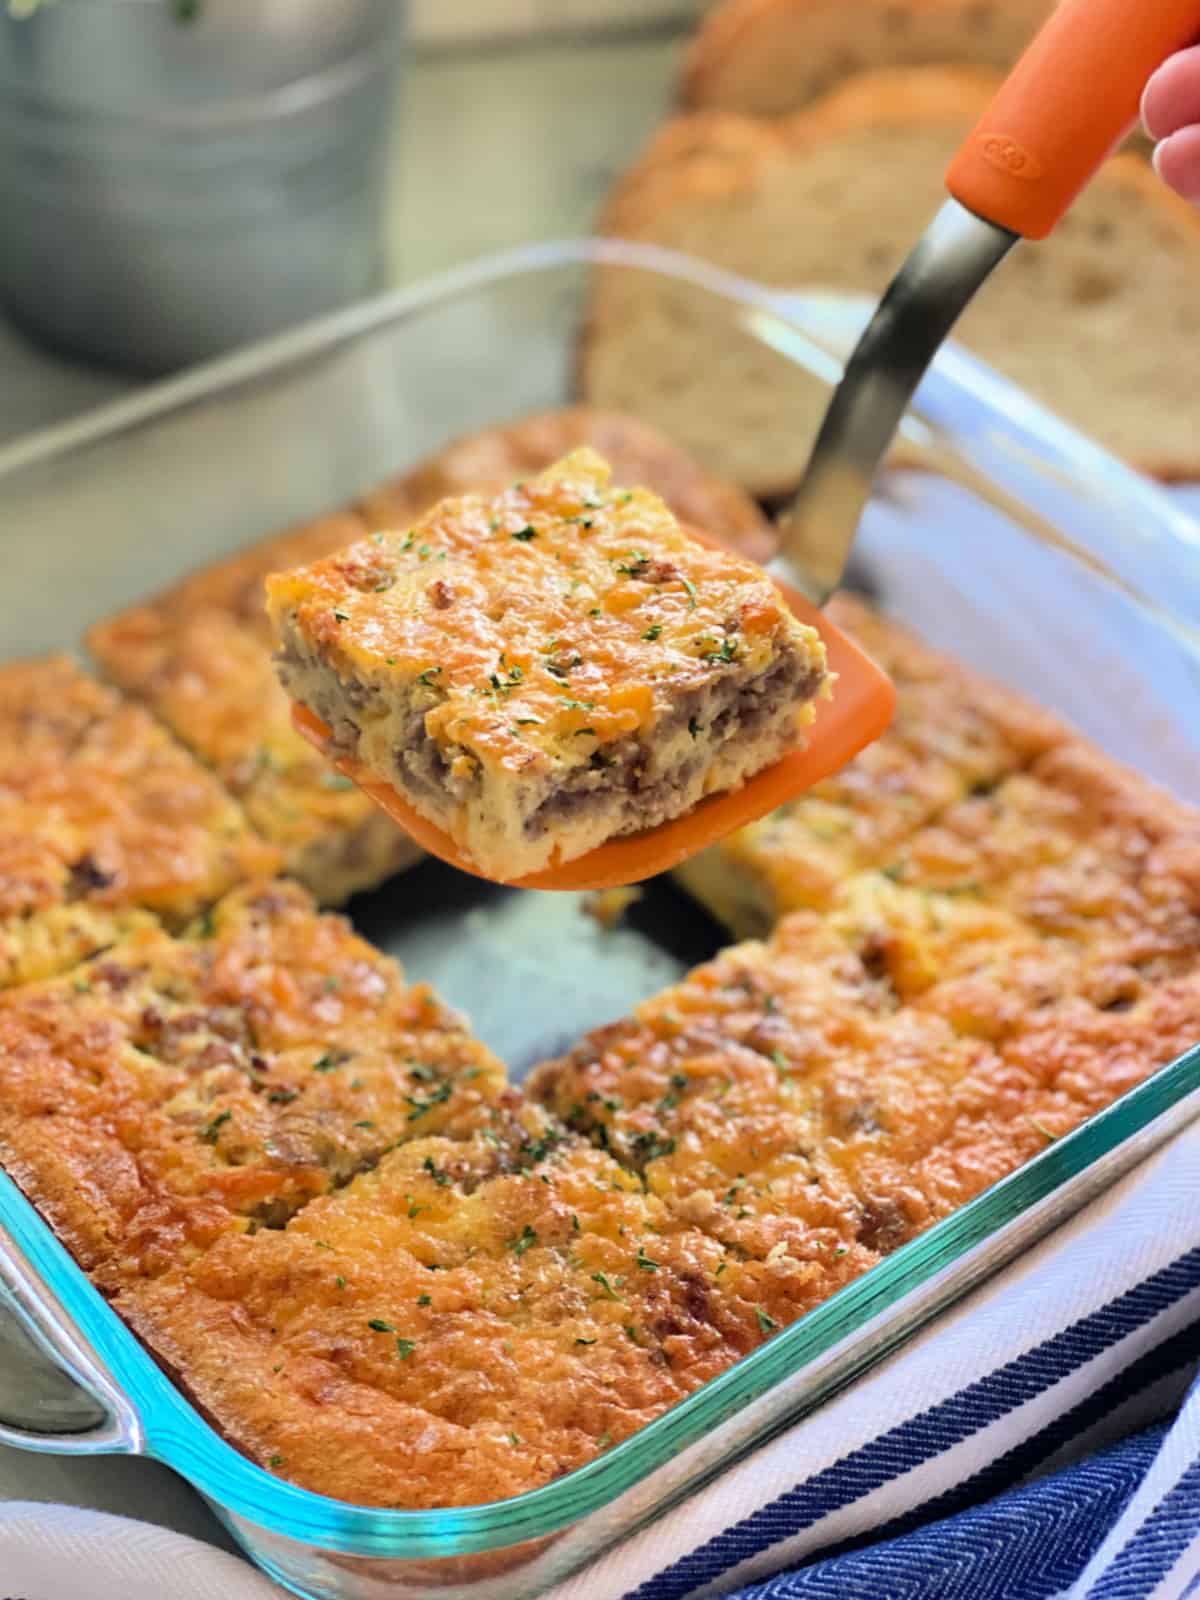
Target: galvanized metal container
{"type": "Point", "coordinates": [180, 176]}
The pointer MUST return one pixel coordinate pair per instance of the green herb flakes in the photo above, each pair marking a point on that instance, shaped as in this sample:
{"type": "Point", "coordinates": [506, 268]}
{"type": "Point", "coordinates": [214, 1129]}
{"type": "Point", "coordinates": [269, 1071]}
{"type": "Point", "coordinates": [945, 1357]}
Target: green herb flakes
{"type": "Point", "coordinates": [213, 1130]}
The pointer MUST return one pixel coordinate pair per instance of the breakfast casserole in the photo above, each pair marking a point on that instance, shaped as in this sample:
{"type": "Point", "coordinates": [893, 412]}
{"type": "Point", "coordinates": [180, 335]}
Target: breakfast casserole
{"type": "Point", "coordinates": [434, 1335]}
{"type": "Point", "coordinates": [199, 656]}
{"type": "Point", "coordinates": [953, 732]}
{"type": "Point", "coordinates": [177, 1087]}
{"type": "Point", "coordinates": [389, 1275]}
{"type": "Point", "coordinates": [105, 822]}
{"type": "Point", "coordinates": [542, 671]}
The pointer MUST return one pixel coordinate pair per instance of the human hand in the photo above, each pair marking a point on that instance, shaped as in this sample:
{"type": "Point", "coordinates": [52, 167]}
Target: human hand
{"type": "Point", "coordinates": [1171, 113]}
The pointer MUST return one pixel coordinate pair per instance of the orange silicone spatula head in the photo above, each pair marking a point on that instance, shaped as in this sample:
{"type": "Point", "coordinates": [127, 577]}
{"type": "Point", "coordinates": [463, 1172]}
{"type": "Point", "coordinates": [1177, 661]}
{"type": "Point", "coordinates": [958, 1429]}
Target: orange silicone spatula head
{"type": "Point", "coordinates": [861, 708]}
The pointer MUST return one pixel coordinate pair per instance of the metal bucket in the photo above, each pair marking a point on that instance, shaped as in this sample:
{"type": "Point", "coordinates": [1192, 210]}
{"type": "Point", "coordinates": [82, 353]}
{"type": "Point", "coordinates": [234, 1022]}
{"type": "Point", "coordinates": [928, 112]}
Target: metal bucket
{"type": "Point", "coordinates": [180, 176]}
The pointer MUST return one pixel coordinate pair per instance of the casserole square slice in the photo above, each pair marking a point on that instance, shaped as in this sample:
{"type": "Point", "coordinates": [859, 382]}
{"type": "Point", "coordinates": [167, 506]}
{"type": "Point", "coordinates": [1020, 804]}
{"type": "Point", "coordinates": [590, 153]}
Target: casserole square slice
{"type": "Point", "coordinates": [177, 1088]}
{"type": "Point", "coordinates": [546, 670]}
{"type": "Point", "coordinates": [105, 822]}
{"type": "Point", "coordinates": [199, 655]}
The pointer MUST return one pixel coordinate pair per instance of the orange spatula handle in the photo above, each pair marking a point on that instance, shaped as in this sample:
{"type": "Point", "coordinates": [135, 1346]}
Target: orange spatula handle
{"type": "Point", "coordinates": [1072, 97]}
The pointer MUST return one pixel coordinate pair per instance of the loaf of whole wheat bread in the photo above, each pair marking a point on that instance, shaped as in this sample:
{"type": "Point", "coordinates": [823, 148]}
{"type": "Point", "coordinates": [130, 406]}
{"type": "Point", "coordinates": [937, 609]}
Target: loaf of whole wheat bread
{"type": "Point", "coordinates": [1101, 322]}
{"type": "Point", "coordinates": [766, 58]}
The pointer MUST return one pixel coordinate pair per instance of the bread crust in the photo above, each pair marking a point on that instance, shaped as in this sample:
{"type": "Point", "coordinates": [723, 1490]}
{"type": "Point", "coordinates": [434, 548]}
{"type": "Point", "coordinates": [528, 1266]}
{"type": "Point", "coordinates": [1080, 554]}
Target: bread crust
{"type": "Point", "coordinates": [719, 159]}
{"type": "Point", "coordinates": [719, 69]}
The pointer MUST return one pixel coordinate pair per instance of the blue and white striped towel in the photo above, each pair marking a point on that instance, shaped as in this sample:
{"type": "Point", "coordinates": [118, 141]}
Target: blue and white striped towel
{"type": "Point", "coordinates": [1014, 1451]}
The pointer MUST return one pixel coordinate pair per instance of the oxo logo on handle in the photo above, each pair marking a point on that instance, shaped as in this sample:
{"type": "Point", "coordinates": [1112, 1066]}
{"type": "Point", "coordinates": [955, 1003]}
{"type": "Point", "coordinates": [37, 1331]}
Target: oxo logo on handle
{"type": "Point", "coordinates": [1007, 156]}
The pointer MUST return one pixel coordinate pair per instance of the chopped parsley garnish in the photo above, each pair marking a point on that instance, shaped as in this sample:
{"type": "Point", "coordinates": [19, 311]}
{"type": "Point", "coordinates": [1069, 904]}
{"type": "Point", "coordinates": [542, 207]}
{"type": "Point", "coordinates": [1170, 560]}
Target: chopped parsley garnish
{"type": "Point", "coordinates": [693, 727]}
{"type": "Point", "coordinates": [579, 705]}
{"type": "Point", "coordinates": [1041, 1127]}
{"type": "Point", "coordinates": [341, 616]}
{"type": "Point", "coordinates": [503, 685]}
{"type": "Point", "coordinates": [420, 1070]}
{"type": "Point", "coordinates": [579, 732]}
{"type": "Point", "coordinates": [649, 1146]}
{"type": "Point", "coordinates": [213, 1131]}
{"type": "Point", "coordinates": [428, 675]}
{"type": "Point", "coordinates": [334, 780]}
{"type": "Point", "coordinates": [602, 1279]}
{"type": "Point", "coordinates": [437, 1097]}
{"type": "Point", "coordinates": [325, 1063]}
{"type": "Point", "coordinates": [405, 1348]}
{"type": "Point", "coordinates": [653, 632]}
{"type": "Point", "coordinates": [631, 1333]}
{"type": "Point", "coordinates": [414, 1210]}
{"type": "Point", "coordinates": [365, 1123]}
{"type": "Point", "coordinates": [424, 1300]}
{"type": "Point", "coordinates": [644, 1261]}
{"type": "Point", "coordinates": [282, 1097]}
{"type": "Point", "coordinates": [691, 591]}
{"type": "Point", "coordinates": [380, 1326]}
{"type": "Point", "coordinates": [523, 535]}
{"type": "Point", "coordinates": [525, 1240]}
{"type": "Point", "coordinates": [634, 565]}
{"type": "Point", "coordinates": [340, 1281]}
{"type": "Point", "coordinates": [766, 1324]}
{"type": "Point", "coordinates": [727, 652]}
{"type": "Point", "coordinates": [585, 1341]}
{"type": "Point", "coordinates": [442, 1179]}
{"type": "Point", "coordinates": [275, 1461]}
{"type": "Point", "coordinates": [780, 1060]}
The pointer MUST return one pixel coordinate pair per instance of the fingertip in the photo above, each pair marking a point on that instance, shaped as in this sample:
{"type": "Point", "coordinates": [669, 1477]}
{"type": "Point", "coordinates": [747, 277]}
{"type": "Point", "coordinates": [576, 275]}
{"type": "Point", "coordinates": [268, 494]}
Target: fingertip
{"type": "Point", "coordinates": [1171, 99]}
{"type": "Point", "coordinates": [1177, 162]}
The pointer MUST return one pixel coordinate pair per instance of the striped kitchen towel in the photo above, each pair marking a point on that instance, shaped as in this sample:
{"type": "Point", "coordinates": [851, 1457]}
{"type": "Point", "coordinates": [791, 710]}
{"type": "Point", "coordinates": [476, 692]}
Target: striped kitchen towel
{"type": "Point", "coordinates": [981, 1461]}
{"type": "Point", "coordinates": [1016, 1450]}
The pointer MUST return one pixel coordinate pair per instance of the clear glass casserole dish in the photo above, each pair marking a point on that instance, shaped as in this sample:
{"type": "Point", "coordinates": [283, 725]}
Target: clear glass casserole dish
{"type": "Point", "coordinates": [1014, 543]}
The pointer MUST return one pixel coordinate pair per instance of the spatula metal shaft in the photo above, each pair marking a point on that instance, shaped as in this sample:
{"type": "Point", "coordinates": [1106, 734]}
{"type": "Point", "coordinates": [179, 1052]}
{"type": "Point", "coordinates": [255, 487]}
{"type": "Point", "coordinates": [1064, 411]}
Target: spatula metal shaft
{"type": "Point", "coordinates": [956, 255]}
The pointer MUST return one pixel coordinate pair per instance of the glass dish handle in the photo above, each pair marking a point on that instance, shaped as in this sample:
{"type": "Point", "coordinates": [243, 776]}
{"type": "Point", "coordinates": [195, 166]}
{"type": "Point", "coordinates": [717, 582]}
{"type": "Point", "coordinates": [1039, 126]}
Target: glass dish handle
{"type": "Point", "coordinates": [55, 1395]}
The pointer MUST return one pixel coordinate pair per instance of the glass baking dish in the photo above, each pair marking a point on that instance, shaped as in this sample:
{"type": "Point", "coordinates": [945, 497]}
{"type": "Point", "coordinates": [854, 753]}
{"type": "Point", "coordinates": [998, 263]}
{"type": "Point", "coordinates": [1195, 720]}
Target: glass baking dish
{"type": "Point", "coordinates": [999, 534]}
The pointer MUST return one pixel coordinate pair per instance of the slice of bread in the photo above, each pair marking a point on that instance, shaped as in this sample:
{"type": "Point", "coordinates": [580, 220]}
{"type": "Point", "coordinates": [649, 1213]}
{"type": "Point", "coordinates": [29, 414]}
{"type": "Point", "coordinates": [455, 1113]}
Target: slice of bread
{"type": "Point", "coordinates": [1101, 322]}
{"type": "Point", "coordinates": [766, 58]}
